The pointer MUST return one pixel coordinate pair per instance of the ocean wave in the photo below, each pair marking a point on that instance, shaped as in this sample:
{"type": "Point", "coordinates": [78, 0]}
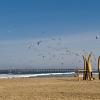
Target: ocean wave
{"type": "Point", "coordinates": [5, 76]}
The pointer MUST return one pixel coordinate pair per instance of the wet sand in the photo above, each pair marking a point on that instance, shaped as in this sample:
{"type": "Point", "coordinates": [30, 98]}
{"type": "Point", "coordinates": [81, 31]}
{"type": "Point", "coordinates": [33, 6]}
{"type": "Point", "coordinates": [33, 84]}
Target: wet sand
{"type": "Point", "coordinates": [54, 88]}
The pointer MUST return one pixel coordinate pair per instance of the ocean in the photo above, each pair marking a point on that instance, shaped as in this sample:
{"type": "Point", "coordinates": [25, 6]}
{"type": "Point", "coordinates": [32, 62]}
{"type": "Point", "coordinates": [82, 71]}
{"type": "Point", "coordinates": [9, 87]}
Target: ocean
{"type": "Point", "coordinates": [28, 73]}
{"type": "Point", "coordinates": [7, 76]}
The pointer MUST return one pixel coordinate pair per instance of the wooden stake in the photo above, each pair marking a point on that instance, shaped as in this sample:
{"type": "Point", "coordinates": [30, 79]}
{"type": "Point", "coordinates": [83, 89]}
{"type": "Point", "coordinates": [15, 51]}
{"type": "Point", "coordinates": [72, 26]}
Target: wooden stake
{"type": "Point", "coordinates": [99, 66]}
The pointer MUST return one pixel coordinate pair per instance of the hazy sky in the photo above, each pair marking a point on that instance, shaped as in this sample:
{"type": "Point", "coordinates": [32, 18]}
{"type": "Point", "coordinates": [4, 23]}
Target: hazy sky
{"type": "Point", "coordinates": [51, 27]}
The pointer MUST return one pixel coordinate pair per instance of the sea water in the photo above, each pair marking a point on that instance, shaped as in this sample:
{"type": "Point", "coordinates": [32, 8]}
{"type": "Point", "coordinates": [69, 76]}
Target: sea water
{"type": "Point", "coordinates": [5, 76]}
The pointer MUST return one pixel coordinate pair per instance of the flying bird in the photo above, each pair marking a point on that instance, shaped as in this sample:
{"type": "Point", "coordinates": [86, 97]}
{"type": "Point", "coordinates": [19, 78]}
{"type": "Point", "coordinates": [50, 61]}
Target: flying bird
{"type": "Point", "coordinates": [53, 39]}
{"type": "Point", "coordinates": [30, 46]}
{"type": "Point", "coordinates": [38, 43]}
{"type": "Point", "coordinates": [62, 63]}
{"type": "Point", "coordinates": [43, 57]}
{"type": "Point", "coordinates": [97, 37]}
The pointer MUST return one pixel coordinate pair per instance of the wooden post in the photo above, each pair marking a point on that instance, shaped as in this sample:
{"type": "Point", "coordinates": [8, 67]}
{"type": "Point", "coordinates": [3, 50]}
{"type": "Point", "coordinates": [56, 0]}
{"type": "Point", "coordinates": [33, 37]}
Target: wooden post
{"type": "Point", "coordinates": [85, 68]}
{"type": "Point", "coordinates": [90, 68]}
{"type": "Point", "coordinates": [99, 66]}
{"type": "Point", "coordinates": [87, 71]}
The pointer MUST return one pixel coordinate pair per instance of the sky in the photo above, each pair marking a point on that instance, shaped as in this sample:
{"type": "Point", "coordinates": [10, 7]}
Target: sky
{"type": "Point", "coordinates": [37, 33]}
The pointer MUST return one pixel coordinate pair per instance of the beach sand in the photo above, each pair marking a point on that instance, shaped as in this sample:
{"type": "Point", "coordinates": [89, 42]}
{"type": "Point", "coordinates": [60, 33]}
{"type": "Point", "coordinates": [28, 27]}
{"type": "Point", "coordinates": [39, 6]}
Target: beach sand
{"type": "Point", "coordinates": [52, 88]}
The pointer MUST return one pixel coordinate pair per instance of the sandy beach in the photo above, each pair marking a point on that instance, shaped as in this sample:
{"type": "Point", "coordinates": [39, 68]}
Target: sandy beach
{"type": "Point", "coordinates": [54, 88]}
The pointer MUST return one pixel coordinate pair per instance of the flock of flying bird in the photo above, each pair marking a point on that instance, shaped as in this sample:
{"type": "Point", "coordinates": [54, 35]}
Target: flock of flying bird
{"type": "Point", "coordinates": [67, 51]}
